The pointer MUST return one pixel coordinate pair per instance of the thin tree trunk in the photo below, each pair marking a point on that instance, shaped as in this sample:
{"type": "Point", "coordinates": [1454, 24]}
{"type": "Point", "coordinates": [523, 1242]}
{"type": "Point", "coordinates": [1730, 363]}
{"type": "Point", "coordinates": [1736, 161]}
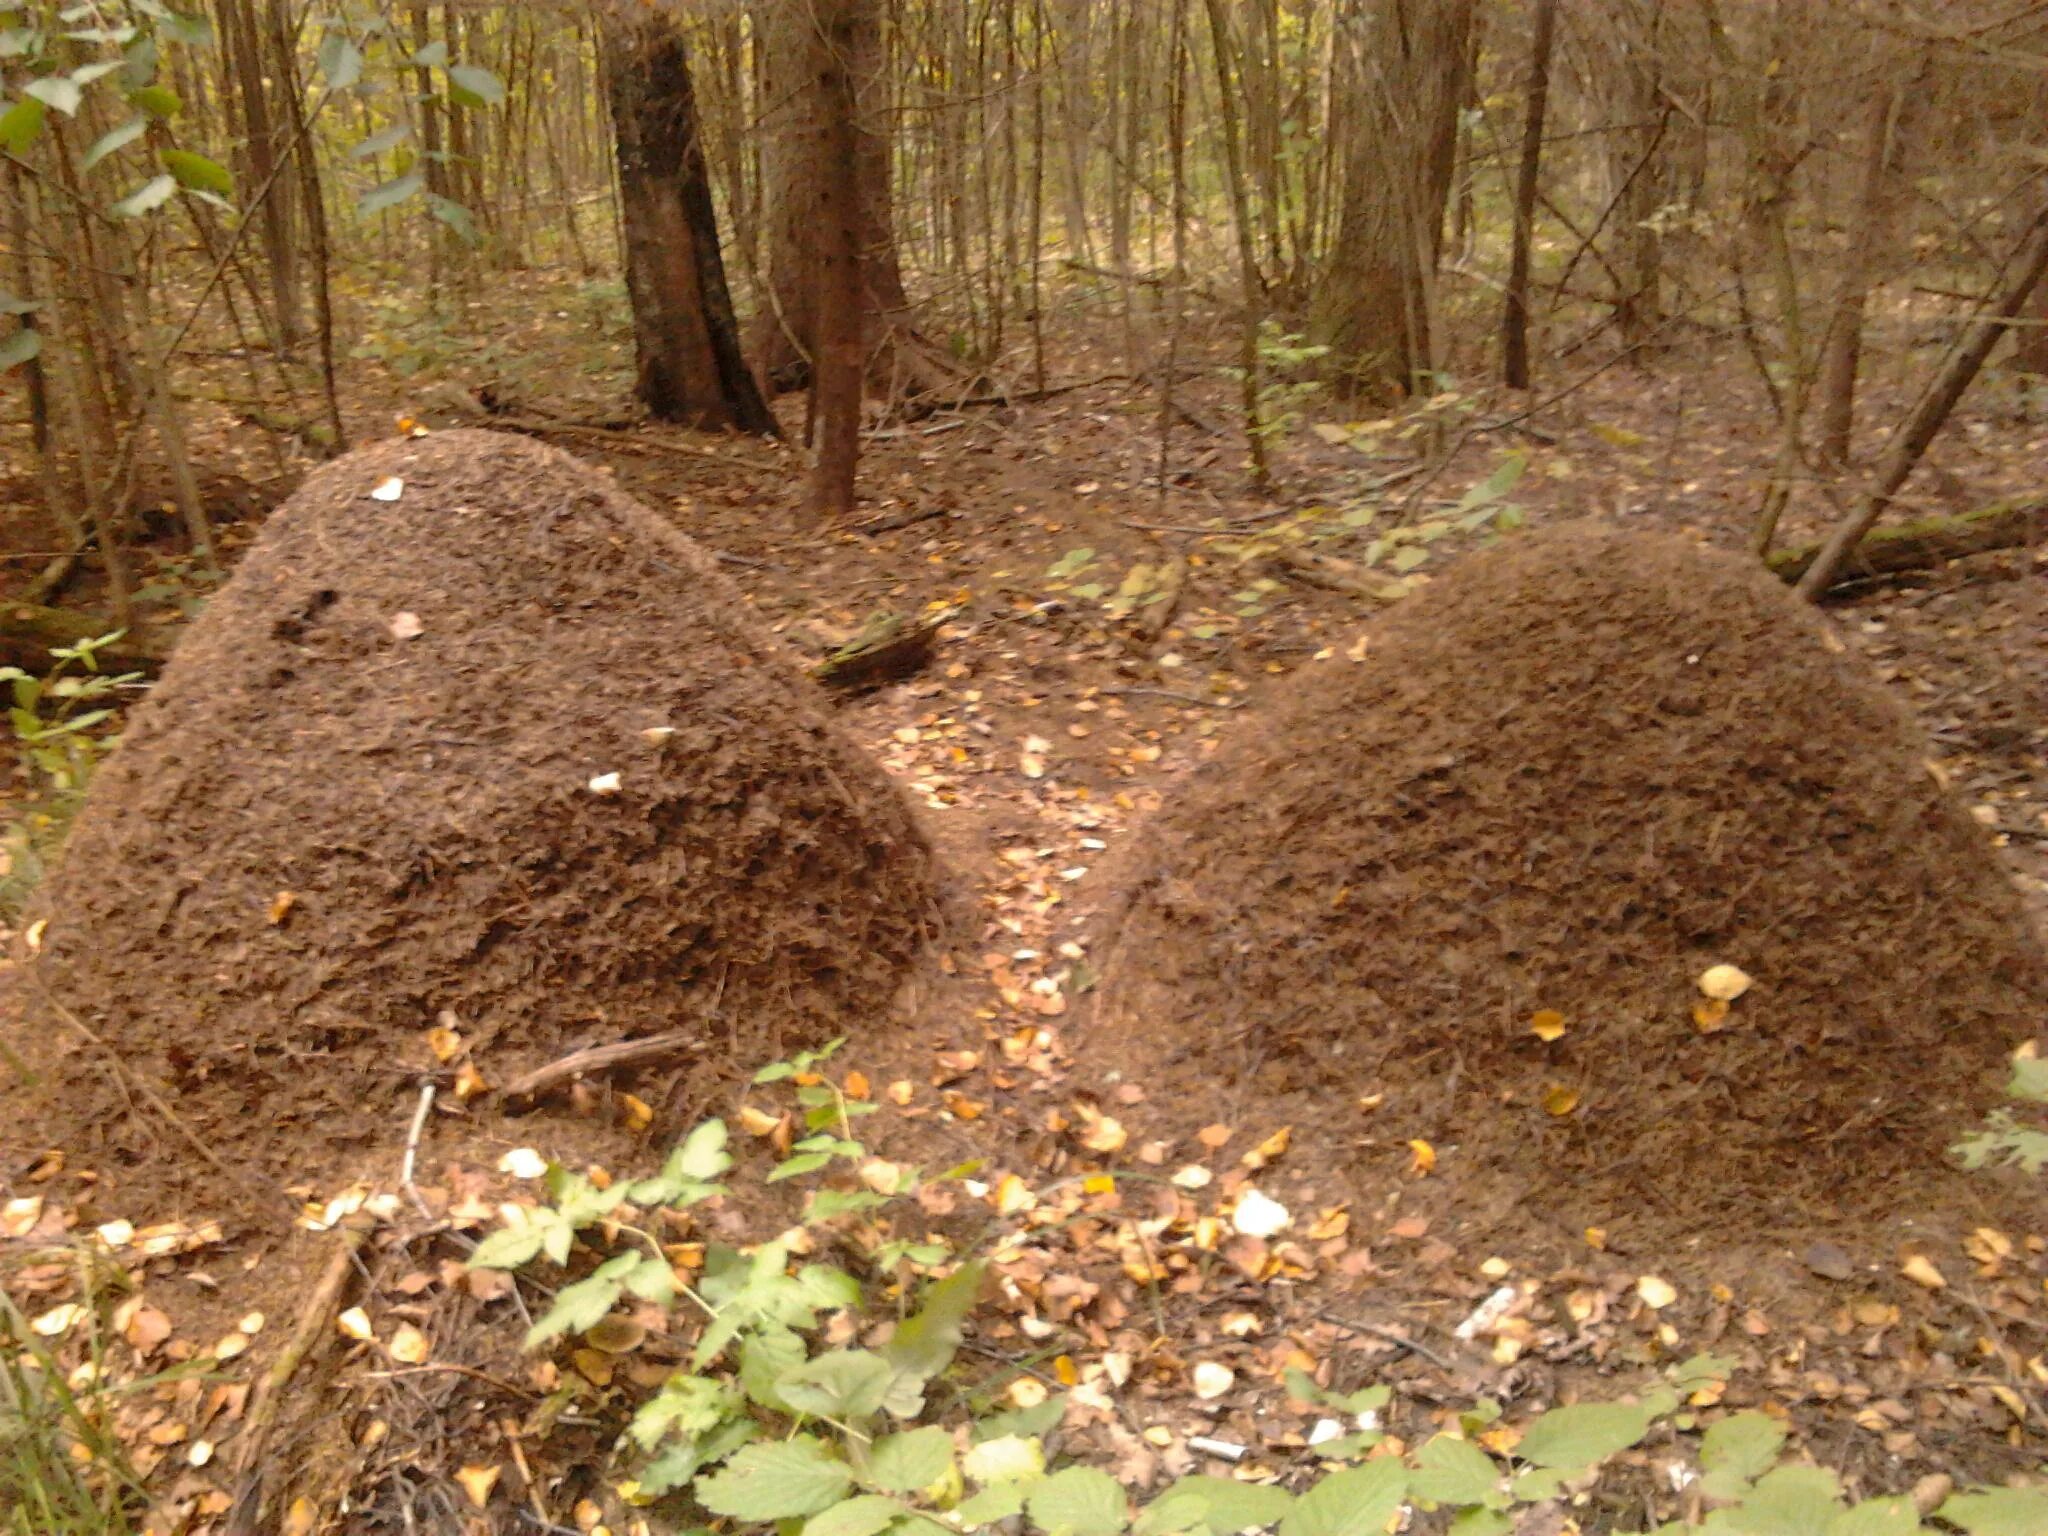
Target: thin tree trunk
{"type": "Point", "coordinates": [834, 185]}
{"type": "Point", "coordinates": [1515, 320]}
{"type": "Point", "coordinates": [1912, 437]}
{"type": "Point", "coordinates": [1247, 248]}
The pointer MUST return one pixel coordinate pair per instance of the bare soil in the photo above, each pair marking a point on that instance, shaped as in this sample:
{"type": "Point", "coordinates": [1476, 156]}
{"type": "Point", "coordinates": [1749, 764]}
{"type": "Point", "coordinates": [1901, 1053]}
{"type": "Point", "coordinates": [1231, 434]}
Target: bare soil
{"type": "Point", "coordinates": [504, 756]}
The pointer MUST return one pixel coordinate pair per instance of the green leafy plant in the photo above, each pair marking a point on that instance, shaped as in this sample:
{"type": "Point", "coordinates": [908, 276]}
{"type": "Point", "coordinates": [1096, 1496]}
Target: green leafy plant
{"type": "Point", "coordinates": [57, 721]}
{"type": "Point", "coordinates": [2004, 1140]}
{"type": "Point", "coordinates": [1284, 363]}
{"type": "Point", "coordinates": [813, 1404]}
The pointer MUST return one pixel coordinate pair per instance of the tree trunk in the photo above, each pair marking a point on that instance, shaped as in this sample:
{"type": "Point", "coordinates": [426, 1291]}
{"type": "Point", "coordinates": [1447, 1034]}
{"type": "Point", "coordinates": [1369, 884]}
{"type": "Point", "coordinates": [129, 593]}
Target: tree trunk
{"type": "Point", "coordinates": [685, 337]}
{"type": "Point", "coordinates": [1406, 63]}
{"type": "Point", "coordinates": [784, 337]}
{"type": "Point", "coordinates": [1909, 442]}
{"type": "Point", "coordinates": [1514, 340]}
{"type": "Point", "coordinates": [831, 175]}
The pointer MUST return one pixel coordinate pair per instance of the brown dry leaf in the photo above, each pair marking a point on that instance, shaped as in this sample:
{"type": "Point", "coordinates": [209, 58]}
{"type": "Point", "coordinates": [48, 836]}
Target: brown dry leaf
{"type": "Point", "coordinates": [1547, 1025]}
{"type": "Point", "coordinates": [1989, 1247]}
{"type": "Point", "coordinates": [1709, 1014]}
{"type": "Point", "coordinates": [1409, 1228]}
{"type": "Point", "coordinates": [1921, 1271]}
{"type": "Point", "coordinates": [1213, 1136]}
{"type": "Point", "coordinates": [1103, 1133]}
{"type": "Point", "coordinates": [281, 905]}
{"type": "Point", "coordinates": [856, 1085]}
{"type": "Point", "coordinates": [1421, 1158]}
{"type": "Point", "coordinates": [146, 1329]}
{"type": "Point", "coordinates": [478, 1482]}
{"type": "Point", "coordinates": [409, 1346]}
{"type": "Point", "coordinates": [962, 1107]}
{"type": "Point", "coordinates": [594, 1366]}
{"type": "Point", "coordinates": [951, 1066]}
{"type": "Point", "coordinates": [1559, 1101]}
{"type": "Point", "coordinates": [616, 1335]}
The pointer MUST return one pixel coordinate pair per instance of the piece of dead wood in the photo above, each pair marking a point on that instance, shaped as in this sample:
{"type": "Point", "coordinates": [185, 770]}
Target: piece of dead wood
{"type": "Point", "coordinates": [314, 1327]}
{"type": "Point", "coordinates": [1924, 543]}
{"type": "Point", "coordinates": [597, 1058]}
{"type": "Point", "coordinates": [1150, 619]}
{"type": "Point", "coordinates": [622, 439]}
{"type": "Point", "coordinates": [887, 650]}
{"type": "Point", "coordinates": [1333, 574]}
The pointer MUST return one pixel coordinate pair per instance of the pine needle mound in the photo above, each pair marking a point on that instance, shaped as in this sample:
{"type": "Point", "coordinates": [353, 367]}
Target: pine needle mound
{"type": "Point", "coordinates": [1568, 778]}
{"type": "Point", "coordinates": [506, 754]}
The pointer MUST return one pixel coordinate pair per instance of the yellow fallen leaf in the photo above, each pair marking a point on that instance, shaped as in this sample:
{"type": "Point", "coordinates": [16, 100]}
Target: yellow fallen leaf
{"type": "Point", "coordinates": [469, 1082]}
{"type": "Point", "coordinates": [478, 1482]}
{"type": "Point", "coordinates": [300, 1518]}
{"type": "Point", "coordinates": [1921, 1271]}
{"type": "Point", "coordinates": [856, 1085]}
{"type": "Point", "coordinates": [758, 1122]}
{"type": "Point", "coordinates": [1422, 1158]}
{"type": "Point", "coordinates": [1064, 1369]}
{"type": "Point", "coordinates": [1724, 982]}
{"type": "Point", "coordinates": [1547, 1024]}
{"type": "Point", "coordinates": [523, 1163]}
{"type": "Point", "coordinates": [445, 1043]}
{"type": "Point", "coordinates": [1335, 1221]}
{"type": "Point", "coordinates": [355, 1322]}
{"type": "Point", "coordinates": [1104, 1133]}
{"type": "Point", "coordinates": [1709, 1014]}
{"type": "Point", "coordinates": [1657, 1293]}
{"type": "Point", "coordinates": [1596, 1239]}
{"type": "Point", "coordinates": [1014, 1196]}
{"type": "Point", "coordinates": [1988, 1245]}
{"type": "Point", "coordinates": [636, 1112]}
{"type": "Point", "coordinates": [1558, 1100]}
{"type": "Point", "coordinates": [1212, 1380]}
{"type": "Point", "coordinates": [1099, 1184]}
{"type": "Point", "coordinates": [1273, 1146]}
{"type": "Point", "coordinates": [1615, 437]}
{"type": "Point", "coordinates": [901, 1092]}
{"type": "Point", "coordinates": [409, 1346]}
{"type": "Point", "coordinates": [281, 905]}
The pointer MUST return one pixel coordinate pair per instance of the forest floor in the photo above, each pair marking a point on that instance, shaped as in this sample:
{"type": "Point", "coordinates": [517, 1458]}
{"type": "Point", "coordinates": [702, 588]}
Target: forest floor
{"type": "Point", "coordinates": [1053, 718]}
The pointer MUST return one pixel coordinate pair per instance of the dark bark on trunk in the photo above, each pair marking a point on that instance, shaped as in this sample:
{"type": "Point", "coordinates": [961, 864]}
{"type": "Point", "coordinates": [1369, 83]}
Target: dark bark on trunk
{"type": "Point", "coordinates": [832, 178]}
{"type": "Point", "coordinates": [685, 337]}
{"type": "Point", "coordinates": [1924, 543]}
{"type": "Point", "coordinates": [1514, 341]}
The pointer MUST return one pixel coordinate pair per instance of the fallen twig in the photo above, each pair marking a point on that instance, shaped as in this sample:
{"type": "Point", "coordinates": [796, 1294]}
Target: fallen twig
{"type": "Point", "coordinates": [598, 1057]}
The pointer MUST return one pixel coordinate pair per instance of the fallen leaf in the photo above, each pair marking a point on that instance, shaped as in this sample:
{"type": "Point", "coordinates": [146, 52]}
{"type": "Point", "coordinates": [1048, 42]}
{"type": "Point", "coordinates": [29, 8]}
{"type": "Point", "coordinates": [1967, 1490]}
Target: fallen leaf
{"type": "Point", "coordinates": [478, 1482]}
{"type": "Point", "coordinates": [407, 626]}
{"type": "Point", "coordinates": [758, 1122]}
{"type": "Point", "coordinates": [388, 489]}
{"type": "Point", "coordinates": [1031, 761]}
{"type": "Point", "coordinates": [469, 1082]}
{"type": "Point", "coordinates": [409, 1346]}
{"type": "Point", "coordinates": [1212, 1380]}
{"type": "Point", "coordinates": [1547, 1025]}
{"type": "Point", "coordinates": [615, 1335]}
{"type": "Point", "coordinates": [59, 1320]}
{"type": "Point", "coordinates": [523, 1163]}
{"type": "Point", "coordinates": [355, 1322]}
{"type": "Point", "coordinates": [1273, 1146]}
{"type": "Point", "coordinates": [605, 784]}
{"type": "Point", "coordinates": [1421, 1158]}
{"type": "Point", "coordinates": [1830, 1261]}
{"type": "Point", "coordinates": [1657, 1293]}
{"type": "Point", "coordinates": [1259, 1215]}
{"type": "Point", "coordinates": [1724, 983]}
{"type": "Point", "coordinates": [1709, 1014]}
{"type": "Point", "coordinates": [1921, 1271]}
{"type": "Point", "coordinates": [281, 905]}
{"type": "Point", "coordinates": [1213, 1136]}
{"type": "Point", "coordinates": [1558, 1100]}
{"type": "Point", "coordinates": [856, 1085]}
{"type": "Point", "coordinates": [1193, 1176]}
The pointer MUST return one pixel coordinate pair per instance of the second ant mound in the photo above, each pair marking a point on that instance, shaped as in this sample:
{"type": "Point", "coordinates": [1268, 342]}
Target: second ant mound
{"type": "Point", "coordinates": [1566, 779]}
{"type": "Point", "coordinates": [473, 742]}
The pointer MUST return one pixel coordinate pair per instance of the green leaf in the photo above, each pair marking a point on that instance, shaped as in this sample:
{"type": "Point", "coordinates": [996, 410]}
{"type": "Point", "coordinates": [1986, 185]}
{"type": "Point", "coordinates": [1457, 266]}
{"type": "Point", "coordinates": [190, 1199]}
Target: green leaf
{"type": "Point", "coordinates": [159, 101]}
{"type": "Point", "coordinates": [1005, 1459]}
{"type": "Point", "coordinates": [340, 60]}
{"type": "Point", "coordinates": [197, 172]}
{"type": "Point", "coordinates": [1495, 485]}
{"type": "Point", "coordinates": [383, 139]}
{"type": "Point", "coordinates": [864, 1514]}
{"type": "Point", "coordinates": [2029, 1079]}
{"type": "Point", "coordinates": [1069, 563]}
{"type": "Point", "coordinates": [113, 139]}
{"type": "Point", "coordinates": [686, 1178]}
{"type": "Point", "coordinates": [20, 124]}
{"type": "Point", "coordinates": [1879, 1517]}
{"type": "Point", "coordinates": [915, 1459]}
{"type": "Point", "coordinates": [1792, 1501]}
{"type": "Point", "coordinates": [1449, 1470]}
{"type": "Point", "coordinates": [1538, 1484]}
{"type": "Point", "coordinates": [1216, 1505]}
{"type": "Point", "coordinates": [510, 1247]}
{"type": "Point", "coordinates": [1696, 1371]}
{"type": "Point", "coordinates": [389, 195]}
{"type": "Point", "coordinates": [25, 343]}
{"type": "Point", "coordinates": [767, 1354]}
{"type": "Point", "coordinates": [57, 91]}
{"type": "Point", "coordinates": [454, 215]}
{"type": "Point", "coordinates": [1358, 1501]}
{"type": "Point", "coordinates": [1080, 1501]}
{"type": "Point", "coordinates": [686, 1405]}
{"type": "Point", "coordinates": [1998, 1512]}
{"type": "Point", "coordinates": [1577, 1436]}
{"type": "Point", "coordinates": [783, 1481]}
{"type": "Point", "coordinates": [147, 198]}
{"type": "Point", "coordinates": [998, 1501]}
{"type": "Point", "coordinates": [684, 1459]}
{"type": "Point", "coordinates": [479, 85]}
{"type": "Point", "coordinates": [1737, 1451]}
{"type": "Point", "coordinates": [802, 1163]}
{"type": "Point", "coordinates": [194, 32]}
{"type": "Point", "coordinates": [582, 1306]}
{"type": "Point", "coordinates": [1482, 1522]}
{"type": "Point", "coordinates": [1026, 1423]}
{"type": "Point", "coordinates": [924, 1343]}
{"type": "Point", "coordinates": [432, 56]}
{"type": "Point", "coordinates": [844, 1384]}
{"type": "Point", "coordinates": [827, 1203]}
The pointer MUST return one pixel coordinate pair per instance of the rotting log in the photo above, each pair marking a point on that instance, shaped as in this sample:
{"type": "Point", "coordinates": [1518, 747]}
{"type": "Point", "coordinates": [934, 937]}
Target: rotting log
{"type": "Point", "coordinates": [889, 648]}
{"type": "Point", "coordinates": [1923, 543]}
{"type": "Point", "coordinates": [29, 632]}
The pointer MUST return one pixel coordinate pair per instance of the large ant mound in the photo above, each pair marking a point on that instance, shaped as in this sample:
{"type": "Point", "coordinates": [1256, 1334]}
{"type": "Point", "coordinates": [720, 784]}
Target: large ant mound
{"type": "Point", "coordinates": [503, 754]}
{"type": "Point", "coordinates": [1568, 778]}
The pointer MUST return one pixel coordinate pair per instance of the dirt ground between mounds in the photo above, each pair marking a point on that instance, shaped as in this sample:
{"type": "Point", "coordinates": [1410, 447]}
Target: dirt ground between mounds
{"type": "Point", "coordinates": [1570, 776]}
{"type": "Point", "coordinates": [504, 755]}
